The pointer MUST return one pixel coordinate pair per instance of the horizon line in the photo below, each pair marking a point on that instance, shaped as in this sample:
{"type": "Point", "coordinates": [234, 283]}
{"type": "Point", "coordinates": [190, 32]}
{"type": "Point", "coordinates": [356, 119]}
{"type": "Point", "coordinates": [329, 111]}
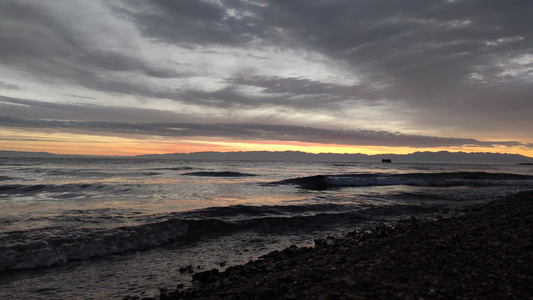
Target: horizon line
{"type": "Point", "coordinates": [257, 151]}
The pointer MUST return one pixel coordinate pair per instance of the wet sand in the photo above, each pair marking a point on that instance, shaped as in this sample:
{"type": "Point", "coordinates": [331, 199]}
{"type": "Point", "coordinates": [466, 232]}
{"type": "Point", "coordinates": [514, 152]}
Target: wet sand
{"type": "Point", "coordinates": [483, 252]}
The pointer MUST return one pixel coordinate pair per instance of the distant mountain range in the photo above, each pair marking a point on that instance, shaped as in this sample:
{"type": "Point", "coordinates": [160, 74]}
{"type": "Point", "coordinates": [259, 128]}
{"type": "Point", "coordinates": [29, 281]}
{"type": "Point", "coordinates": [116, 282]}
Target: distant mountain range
{"type": "Point", "coordinates": [416, 157]}
{"type": "Point", "coordinates": [422, 157]}
{"type": "Point", "coordinates": [26, 154]}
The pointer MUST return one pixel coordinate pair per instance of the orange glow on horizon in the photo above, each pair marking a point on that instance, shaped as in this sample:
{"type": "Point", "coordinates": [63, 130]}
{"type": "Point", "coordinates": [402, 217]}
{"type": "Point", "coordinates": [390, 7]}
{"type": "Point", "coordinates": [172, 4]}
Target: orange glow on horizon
{"type": "Point", "coordinates": [89, 144]}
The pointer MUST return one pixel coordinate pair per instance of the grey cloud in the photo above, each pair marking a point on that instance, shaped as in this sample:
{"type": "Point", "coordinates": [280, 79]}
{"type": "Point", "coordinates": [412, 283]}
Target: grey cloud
{"type": "Point", "coordinates": [29, 109]}
{"type": "Point", "coordinates": [114, 61]}
{"type": "Point", "coordinates": [34, 140]}
{"type": "Point", "coordinates": [403, 43]}
{"type": "Point", "coordinates": [33, 39]}
{"type": "Point", "coordinates": [258, 132]}
{"type": "Point", "coordinates": [277, 91]}
{"type": "Point", "coordinates": [200, 22]}
{"type": "Point", "coordinates": [396, 40]}
{"type": "Point", "coordinates": [8, 86]}
{"type": "Point", "coordinates": [48, 50]}
{"type": "Point", "coordinates": [423, 52]}
{"type": "Point", "coordinates": [230, 98]}
{"type": "Point", "coordinates": [300, 86]}
{"type": "Point", "coordinates": [287, 85]}
{"type": "Point", "coordinates": [82, 97]}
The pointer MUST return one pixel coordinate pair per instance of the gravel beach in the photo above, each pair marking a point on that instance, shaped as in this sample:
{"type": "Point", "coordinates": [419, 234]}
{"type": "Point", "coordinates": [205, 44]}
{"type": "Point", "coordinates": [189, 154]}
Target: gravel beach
{"type": "Point", "coordinates": [483, 252]}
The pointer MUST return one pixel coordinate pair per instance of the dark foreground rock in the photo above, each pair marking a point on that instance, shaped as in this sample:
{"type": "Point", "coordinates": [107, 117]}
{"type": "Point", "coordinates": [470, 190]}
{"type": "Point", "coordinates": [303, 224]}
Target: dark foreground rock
{"type": "Point", "coordinates": [485, 253]}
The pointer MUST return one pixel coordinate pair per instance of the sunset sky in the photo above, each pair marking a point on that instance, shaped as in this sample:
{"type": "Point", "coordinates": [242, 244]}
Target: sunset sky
{"type": "Point", "coordinates": [126, 77]}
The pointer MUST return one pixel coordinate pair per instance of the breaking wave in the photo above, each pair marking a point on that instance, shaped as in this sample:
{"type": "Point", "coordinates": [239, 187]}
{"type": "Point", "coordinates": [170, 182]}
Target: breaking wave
{"type": "Point", "coordinates": [322, 182]}
{"type": "Point", "coordinates": [37, 188]}
{"type": "Point", "coordinates": [56, 245]}
{"type": "Point", "coordinates": [52, 246]}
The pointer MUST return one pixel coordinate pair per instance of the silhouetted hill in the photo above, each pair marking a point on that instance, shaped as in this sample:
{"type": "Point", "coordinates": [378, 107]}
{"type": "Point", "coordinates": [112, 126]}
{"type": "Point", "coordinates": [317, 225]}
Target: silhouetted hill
{"type": "Point", "coordinates": [416, 157]}
{"type": "Point", "coordinates": [422, 157]}
{"type": "Point", "coordinates": [26, 154]}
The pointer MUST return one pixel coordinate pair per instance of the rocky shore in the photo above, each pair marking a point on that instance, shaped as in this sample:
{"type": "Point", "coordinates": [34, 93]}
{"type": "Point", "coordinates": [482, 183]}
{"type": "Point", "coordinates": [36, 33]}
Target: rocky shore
{"type": "Point", "coordinates": [486, 252]}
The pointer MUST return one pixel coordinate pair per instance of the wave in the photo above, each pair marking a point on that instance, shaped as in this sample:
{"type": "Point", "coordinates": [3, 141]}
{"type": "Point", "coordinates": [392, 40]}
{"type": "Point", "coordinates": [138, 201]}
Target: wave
{"type": "Point", "coordinates": [219, 174]}
{"type": "Point", "coordinates": [38, 188]}
{"type": "Point", "coordinates": [323, 182]}
{"type": "Point", "coordinates": [175, 168]}
{"type": "Point", "coordinates": [150, 173]}
{"type": "Point", "coordinates": [238, 212]}
{"type": "Point", "coordinates": [54, 246]}
{"type": "Point", "coordinates": [98, 174]}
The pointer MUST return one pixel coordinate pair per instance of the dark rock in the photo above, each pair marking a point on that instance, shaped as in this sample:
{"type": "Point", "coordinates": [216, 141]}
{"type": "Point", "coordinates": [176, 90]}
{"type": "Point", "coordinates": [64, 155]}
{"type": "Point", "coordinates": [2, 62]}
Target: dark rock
{"type": "Point", "coordinates": [320, 242]}
{"type": "Point", "coordinates": [207, 276]}
{"type": "Point", "coordinates": [441, 246]}
{"type": "Point", "coordinates": [330, 296]}
{"type": "Point", "coordinates": [187, 269]}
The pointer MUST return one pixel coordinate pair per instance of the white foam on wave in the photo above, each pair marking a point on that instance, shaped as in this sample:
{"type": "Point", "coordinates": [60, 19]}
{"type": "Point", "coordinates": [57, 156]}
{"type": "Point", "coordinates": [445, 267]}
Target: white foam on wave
{"type": "Point", "coordinates": [25, 251]}
{"type": "Point", "coordinates": [355, 181]}
{"type": "Point", "coordinates": [345, 181]}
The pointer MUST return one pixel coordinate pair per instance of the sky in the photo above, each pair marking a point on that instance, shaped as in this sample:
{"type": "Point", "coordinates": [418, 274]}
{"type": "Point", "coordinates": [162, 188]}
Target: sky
{"type": "Point", "coordinates": [128, 77]}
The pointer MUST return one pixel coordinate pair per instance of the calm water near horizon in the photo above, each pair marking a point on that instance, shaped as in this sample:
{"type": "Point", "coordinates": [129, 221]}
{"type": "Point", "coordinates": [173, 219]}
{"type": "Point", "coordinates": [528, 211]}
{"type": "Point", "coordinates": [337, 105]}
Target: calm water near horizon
{"type": "Point", "coordinates": [107, 228]}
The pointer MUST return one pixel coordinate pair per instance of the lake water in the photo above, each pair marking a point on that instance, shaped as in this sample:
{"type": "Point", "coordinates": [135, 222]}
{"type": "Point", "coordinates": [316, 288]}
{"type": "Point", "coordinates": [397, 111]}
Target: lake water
{"type": "Point", "coordinates": [107, 228]}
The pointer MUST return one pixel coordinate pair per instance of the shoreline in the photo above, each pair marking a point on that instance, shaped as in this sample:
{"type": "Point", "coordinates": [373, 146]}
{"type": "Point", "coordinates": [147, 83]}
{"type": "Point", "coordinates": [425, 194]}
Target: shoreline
{"type": "Point", "coordinates": [486, 252]}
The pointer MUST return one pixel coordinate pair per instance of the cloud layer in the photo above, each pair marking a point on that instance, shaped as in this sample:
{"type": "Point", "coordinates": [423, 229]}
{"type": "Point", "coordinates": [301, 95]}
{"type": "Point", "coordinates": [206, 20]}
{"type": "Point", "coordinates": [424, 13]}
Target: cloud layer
{"type": "Point", "coordinates": [411, 73]}
{"type": "Point", "coordinates": [257, 132]}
